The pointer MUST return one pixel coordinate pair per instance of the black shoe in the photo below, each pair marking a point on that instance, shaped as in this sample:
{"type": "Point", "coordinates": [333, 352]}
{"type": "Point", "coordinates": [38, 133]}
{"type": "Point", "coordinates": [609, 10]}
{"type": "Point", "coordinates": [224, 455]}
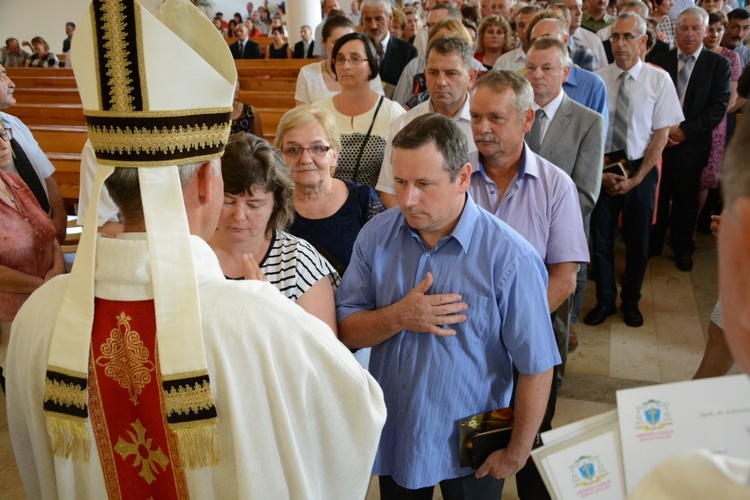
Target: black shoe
{"type": "Point", "coordinates": [632, 316]}
{"type": "Point", "coordinates": [598, 314]}
{"type": "Point", "coordinates": [684, 262]}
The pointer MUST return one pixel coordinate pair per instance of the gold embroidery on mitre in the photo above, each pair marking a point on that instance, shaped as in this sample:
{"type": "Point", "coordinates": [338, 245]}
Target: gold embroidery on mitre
{"type": "Point", "coordinates": [186, 399]}
{"type": "Point", "coordinates": [116, 51]}
{"type": "Point", "coordinates": [125, 359]}
{"type": "Point", "coordinates": [135, 140]}
{"type": "Point", "coordinates": [145, 457]}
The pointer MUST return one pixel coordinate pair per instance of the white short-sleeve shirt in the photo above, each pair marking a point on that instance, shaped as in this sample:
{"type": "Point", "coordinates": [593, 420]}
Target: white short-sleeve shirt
{"type": "Point", "coordinates": [653, 104]}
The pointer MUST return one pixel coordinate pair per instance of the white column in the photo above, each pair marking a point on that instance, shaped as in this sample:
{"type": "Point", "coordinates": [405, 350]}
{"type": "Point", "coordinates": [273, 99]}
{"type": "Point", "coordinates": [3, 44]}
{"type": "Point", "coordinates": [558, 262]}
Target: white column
{"type": "Point", "coordinates": [299, 13]}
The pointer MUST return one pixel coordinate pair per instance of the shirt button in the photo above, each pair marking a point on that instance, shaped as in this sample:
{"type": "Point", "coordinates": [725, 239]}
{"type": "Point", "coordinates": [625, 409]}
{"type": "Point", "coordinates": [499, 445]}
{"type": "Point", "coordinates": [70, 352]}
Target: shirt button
{"type": "Point", "coordinates": [427, 254]}
{"type": "Point", "coordinates": [26, 219]}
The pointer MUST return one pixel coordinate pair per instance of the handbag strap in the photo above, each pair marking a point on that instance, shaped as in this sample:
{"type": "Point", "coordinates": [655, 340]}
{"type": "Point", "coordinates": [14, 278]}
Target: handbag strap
{"type": "Point", "coordinates": [366, 140]}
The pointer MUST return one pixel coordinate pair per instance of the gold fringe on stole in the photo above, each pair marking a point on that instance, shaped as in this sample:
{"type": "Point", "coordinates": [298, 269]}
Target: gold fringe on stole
{"type": "Point", "coordinates": [199, 443]}
{"type": "Point", "coordinates": [68, 437]}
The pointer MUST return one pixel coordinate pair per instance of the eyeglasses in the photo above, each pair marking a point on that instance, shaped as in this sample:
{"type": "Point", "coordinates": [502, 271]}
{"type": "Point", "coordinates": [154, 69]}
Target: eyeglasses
{"type": "Point", "coordinates": [296, 151]}
{"type": "Point", "coordinates": [615, 37]}
{"type": "Point", "coordinates": [7, 134]}
{"type": "Point", "coordinates": [353, 59]}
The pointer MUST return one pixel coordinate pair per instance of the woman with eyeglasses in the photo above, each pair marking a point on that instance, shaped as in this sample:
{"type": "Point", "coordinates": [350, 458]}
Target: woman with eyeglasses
{"type": "Point", "coordinates": [251, 241]}
{"type": "Point", "coordinates": [316, 81]}
{"type": "Point", "coordinates": [329, 212]}
{"type": "Point", "coordinates": [363, 117]}
{"type": "Point", "coordinates": [29, 252]}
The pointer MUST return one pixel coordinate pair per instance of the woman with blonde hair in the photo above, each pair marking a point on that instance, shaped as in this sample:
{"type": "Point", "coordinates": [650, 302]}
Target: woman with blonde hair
{"type": "Point", "coordinates": [329, 212]}
{"type": "Point", "coordinates": [493, 40]}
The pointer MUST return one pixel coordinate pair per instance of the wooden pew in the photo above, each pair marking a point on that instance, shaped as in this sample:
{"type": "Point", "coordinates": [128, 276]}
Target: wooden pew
{"type": "Point", "coordinates": [67, 167]}
{"type": "Point", "coordinates": [46, 114]}
{"type": "Point", "coordinates": [268, 85]}
{"type": "Point", "coordinates": [42, 80]}
{"type": "Point", "coordinates": [267, 99]}
{"type": "Point", "coordinates": [38, 95]}
{"type": "Point", "coordinates": [60, 138]}
{"type": "Point", "coordinates": [271, 68]}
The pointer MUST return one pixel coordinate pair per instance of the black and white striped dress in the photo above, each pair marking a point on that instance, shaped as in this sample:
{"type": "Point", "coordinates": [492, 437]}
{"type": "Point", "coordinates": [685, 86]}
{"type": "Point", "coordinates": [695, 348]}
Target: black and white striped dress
{"type": "Point", "coordinates": [293, 266]}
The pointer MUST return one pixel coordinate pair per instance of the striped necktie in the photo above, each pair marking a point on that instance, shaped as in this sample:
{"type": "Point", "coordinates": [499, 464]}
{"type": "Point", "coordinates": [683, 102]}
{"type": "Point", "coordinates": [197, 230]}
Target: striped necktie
{"type": "Point", "coordinates": [683, 77]}
{"type": "Point", "coordinates": [622, 112]}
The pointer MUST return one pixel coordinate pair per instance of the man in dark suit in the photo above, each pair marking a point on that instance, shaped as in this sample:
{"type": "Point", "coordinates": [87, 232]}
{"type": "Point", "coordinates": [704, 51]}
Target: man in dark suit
{"type": "Point", "coordinates": [244, 48]}
{"type": "Point", "coordinates": [377, 16]}
{"type": "Point", "coordinates": [702, 81]}
{"type": "Point", "coordinates": [304, 48]}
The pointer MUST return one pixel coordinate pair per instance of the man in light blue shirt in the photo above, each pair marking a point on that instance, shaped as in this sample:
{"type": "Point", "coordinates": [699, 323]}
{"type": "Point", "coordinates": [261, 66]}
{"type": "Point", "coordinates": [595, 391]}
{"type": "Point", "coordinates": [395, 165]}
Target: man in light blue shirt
{"type": "Point", "coordinates": [450, 298]}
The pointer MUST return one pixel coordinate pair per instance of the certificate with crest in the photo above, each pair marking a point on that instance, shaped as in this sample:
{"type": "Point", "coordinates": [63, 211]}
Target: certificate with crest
{"type": "Point", "coordinates": [583, 460]}
{"type": "Point", "coordinates": [659, 421]}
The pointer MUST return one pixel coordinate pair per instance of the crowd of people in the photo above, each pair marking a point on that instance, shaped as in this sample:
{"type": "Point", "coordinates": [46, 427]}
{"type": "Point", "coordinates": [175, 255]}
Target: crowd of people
{"type": "Point", "coordinates": [452, 173]}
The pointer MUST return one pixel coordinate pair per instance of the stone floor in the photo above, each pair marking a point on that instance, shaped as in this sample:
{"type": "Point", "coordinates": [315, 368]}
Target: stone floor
{"type": "Point", "coordinates": [676, 307]}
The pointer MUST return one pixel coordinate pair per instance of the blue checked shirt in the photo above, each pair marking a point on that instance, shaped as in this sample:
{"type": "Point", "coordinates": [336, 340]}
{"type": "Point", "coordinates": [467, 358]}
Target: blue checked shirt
{"type": "Point", "coordinates": [431, 382]}
{"type": "Point", "coordinates": [583, 56]}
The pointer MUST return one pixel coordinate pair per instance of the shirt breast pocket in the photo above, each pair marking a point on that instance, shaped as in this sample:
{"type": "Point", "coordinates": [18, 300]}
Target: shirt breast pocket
{"type": "Point", "coordinates": [482, 318]}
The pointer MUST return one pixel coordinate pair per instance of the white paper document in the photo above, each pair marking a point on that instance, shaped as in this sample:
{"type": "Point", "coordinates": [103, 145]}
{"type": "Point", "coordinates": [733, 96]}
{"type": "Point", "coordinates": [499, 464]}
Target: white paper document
{"type": "Point", "coordinates": [582, 460]}
{"type": "Point", "coordinates": [659, 421]}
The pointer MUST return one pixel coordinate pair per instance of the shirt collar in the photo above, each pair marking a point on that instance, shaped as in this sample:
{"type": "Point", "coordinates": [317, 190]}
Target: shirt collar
{"type": "Point", "coordinates": [463, 231]}
{"type": "Point", "coordinates": [524, 167]}
{"type": "Point", "coordinates": [551, 108]}
{"type": "Point", "coordinates": [385, 41]}
{"type": "Point", "coordinates": [463, 114]}
{"type": "Point", "coordinates": [572, 78]}
{"type": "Point", "coordinates": [694, 54]}
{"type": "Point", "coordinates": [634, 71]}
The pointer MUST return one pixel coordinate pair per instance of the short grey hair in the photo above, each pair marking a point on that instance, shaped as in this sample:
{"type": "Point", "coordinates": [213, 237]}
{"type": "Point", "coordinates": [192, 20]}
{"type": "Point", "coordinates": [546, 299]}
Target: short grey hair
{"type": "Point", "coordinates": [500, 81]}
{"type": "Point", "coordinates": [441, 131]}
{"type": "Point", "coordinates": [125, 188]}
{"type": "Point", "coordinates": [640, 23]}
{"type": "Point", "coordinates": [374, 4]}
{"type": "Point", "coordinates": [637, 4]}
{"type": "Point", "coordinates": [694, 12]}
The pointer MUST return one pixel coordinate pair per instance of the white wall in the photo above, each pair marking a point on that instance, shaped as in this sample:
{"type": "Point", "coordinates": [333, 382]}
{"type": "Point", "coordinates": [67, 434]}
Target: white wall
{"type": "Point", "coordinates": [25, 19]}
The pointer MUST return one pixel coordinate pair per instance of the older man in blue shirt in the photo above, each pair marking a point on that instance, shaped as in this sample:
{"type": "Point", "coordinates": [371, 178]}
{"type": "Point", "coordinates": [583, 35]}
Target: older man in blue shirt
{"type": "Point", "coordinates": [450, 298]}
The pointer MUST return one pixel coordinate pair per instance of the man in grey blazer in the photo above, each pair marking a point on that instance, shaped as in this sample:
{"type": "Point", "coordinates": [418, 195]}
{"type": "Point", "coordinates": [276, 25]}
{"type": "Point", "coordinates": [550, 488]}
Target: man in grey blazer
{"type": "Point", "coordinates": [571, 136]}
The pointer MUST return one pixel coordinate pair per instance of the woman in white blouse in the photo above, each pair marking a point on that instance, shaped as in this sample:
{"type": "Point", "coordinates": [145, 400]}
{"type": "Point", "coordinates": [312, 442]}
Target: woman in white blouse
{"type": "Point", "coordinates": [316, 81]}
{"type": "Point", "coordinates": [363, 116]}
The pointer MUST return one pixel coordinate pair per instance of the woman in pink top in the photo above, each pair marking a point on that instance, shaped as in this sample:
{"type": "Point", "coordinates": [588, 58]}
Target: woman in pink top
{"type": "Point", "coordinates": [29, 252]}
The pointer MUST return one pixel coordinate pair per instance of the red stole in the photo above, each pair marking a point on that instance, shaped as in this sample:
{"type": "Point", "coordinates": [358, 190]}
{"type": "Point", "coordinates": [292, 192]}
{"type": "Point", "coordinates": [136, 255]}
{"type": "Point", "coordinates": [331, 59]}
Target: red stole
{"type": "Point", "coordinates": [138, 451]}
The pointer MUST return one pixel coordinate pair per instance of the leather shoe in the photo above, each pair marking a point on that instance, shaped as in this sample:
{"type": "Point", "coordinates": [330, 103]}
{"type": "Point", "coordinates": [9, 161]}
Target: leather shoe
{"type": "Point", "coordinates": [632, 316]}
{"type": "Point", "coordinates": [684, 263]}
{"type": "Point", "coordinates": [598, 314]}
{"type": "Point", "coordinates": [572, 340]}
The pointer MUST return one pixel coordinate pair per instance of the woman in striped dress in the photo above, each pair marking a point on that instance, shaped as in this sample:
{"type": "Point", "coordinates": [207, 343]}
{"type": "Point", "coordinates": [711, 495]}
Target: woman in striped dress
{"type": "Point", "coordinates": [250, 241]}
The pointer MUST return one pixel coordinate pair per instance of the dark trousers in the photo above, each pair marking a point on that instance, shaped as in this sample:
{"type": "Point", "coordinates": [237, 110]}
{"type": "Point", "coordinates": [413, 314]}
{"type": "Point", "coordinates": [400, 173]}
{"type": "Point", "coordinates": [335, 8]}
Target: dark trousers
{"type": "Point", "coordinates": [678, 205]}
{"type": "Point", "coordinates": [637, 207]}
{"type": "Point", "coordinates": [460, 488]}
